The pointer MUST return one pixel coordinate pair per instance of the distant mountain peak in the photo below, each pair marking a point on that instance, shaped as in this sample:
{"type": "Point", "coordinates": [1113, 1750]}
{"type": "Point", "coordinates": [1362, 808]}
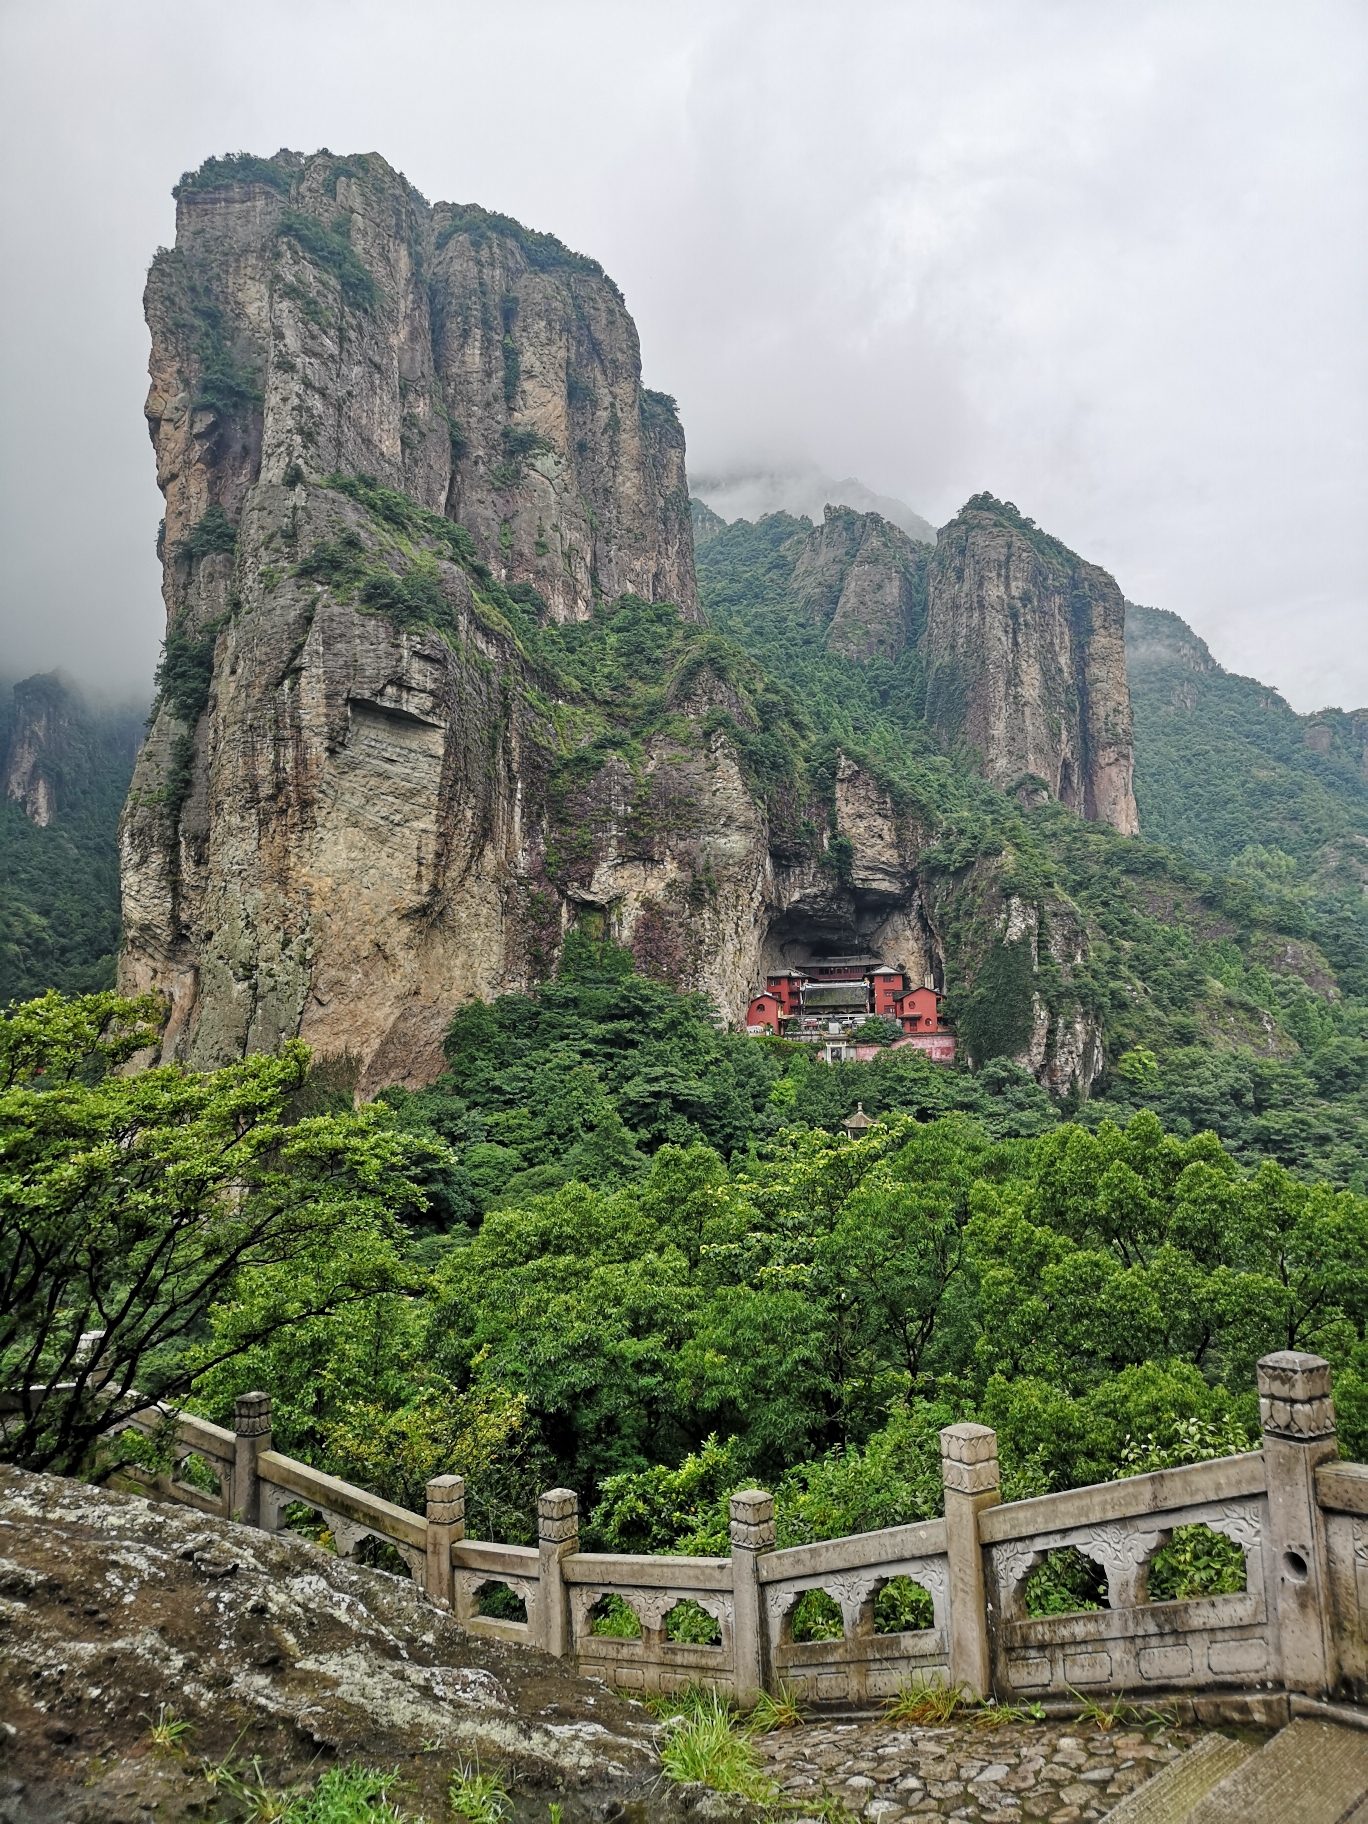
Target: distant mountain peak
{"type": "Point", "coordinates": [805, 493]}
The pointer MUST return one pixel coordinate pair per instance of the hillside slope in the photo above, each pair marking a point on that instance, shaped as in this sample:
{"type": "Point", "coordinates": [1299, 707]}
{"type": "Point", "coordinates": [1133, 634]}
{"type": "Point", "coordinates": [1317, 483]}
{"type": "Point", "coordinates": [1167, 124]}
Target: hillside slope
{"type": "Point", "coordinates": [1235, 1003]}
{"type": "Point", "coordinates": [64, 771]}
{"type": "Point", "coordinates": [1224, 766]}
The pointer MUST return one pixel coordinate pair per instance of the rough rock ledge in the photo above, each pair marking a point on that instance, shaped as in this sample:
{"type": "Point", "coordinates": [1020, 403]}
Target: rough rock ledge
{"type": "Point", "coordinates": [111, 1606]}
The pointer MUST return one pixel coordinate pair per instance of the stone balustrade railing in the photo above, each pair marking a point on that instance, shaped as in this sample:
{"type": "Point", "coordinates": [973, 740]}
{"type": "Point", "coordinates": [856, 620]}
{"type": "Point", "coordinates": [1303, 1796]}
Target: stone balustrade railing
{"type": "Point", "coordinates": [1298, 1514]}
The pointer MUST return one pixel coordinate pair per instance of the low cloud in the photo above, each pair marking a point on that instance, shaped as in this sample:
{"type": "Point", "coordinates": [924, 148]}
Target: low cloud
{"type": "Point", "coordinates": [1102, 261]}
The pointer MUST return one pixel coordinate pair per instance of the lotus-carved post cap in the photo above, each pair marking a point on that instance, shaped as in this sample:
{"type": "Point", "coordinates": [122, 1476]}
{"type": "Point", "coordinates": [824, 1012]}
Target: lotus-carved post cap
{"type": "Point", "coordinates": [446, 1500]}
{"type": "Point", "coordinates": [752, 1519]}
{"type": "Point", "coordinates": [969, 1458]}
{"type": "Point", "coordinates": [1294, 1396]}
{"type": "Point", "coordinates": [558, 1516]}
{"type": "Point", "coordinates": [252, 1414]}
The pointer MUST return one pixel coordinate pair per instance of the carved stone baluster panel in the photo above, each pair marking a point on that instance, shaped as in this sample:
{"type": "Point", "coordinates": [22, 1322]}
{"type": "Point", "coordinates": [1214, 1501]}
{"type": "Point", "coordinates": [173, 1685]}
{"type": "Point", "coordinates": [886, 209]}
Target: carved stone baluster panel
{"type": "Point", "coordinates": [1013, 1563]}
{"type": "Point", "coordinates": [583, 1596]}
{"type": "Point", "coordinates": [1124, 1553]}
{"type": "Point", "coordinates": [348, 1534]}
{"type": "Point", "coordinates": [851, 1589]}
{"type": "Point", "coordinates": [274, 1501]}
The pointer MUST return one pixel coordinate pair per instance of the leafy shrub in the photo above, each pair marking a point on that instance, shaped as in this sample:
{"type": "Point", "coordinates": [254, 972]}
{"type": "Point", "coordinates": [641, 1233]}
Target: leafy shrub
{"type": "Point", "coordinates": [331, 249]}
{"type": "Point", "coordinates": [1196, 1562]}
{"type": "Point", "coordinates": [615, 1619]}
{"type": "Point", "coordinates": [690, 1622]}
{"type": "Point", "coordinates": [1064, 1583]}
{"type": "Point", "coordinates": [186, 670]}
{"type": "Point", "coordinates": [902, 1605]}
{"type": "Point", "coordinates": [214, 532]}
{"type": "Point", "coordinates": [817, 1617]}
{"type": "Point", "coordinates": [236, 168]}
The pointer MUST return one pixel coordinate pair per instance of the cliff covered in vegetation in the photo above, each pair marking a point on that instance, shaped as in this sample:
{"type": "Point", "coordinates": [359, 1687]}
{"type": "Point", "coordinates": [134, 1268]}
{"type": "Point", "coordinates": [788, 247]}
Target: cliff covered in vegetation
{"type": "Point", "coordinates": [436, 684]}
{"type": "Point", "coordinates": [65, 764]}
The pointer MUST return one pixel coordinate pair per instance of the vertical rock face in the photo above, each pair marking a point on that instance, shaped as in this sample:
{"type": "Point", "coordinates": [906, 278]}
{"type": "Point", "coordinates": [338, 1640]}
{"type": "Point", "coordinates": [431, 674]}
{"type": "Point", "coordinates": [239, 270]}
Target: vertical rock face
{"type": "Point", "coordinates": [865, 582]}
{"type": "Point", "coordinates": [1025, 652]}
{"type": "Point", "coordinates": [57, 752]}
{"type": "Point", "coordinates": [339, 826]}
{"type": "Point", "coordinates": [37, 752]}
{"type": "Point", "coordinates": [563, 462]}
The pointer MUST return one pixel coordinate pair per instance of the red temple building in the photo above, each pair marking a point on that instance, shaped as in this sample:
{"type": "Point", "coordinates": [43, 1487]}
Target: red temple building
{"type": "Point", "coordinates": [828, 1001]}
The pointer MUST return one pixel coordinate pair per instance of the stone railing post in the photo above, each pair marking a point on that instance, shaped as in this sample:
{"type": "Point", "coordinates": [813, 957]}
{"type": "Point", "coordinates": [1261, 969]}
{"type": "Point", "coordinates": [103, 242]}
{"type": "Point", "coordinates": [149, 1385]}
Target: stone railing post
{"type": "Point", "coordinates": [969, 1470]}
{"type": "Point", "coordinates": [445, 1522]}
{"type": "Point", "coordinates": [252, 1423]}
{"type": "Point", "coordinates": [752, 1532]}
{"type": "Point", "coordinates": [1298, 1418]}
{"type": "Point", "coordinates": [557, 1538]}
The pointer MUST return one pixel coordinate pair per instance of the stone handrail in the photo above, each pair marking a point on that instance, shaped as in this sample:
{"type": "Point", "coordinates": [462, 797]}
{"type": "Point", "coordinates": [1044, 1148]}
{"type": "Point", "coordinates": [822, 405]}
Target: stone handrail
{"type": "Point", "coordinates": [1298, 1514]}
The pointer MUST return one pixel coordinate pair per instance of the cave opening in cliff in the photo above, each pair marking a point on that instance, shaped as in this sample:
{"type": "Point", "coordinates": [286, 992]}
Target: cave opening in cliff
{"type": "Point", "coordinates": [857, 932]}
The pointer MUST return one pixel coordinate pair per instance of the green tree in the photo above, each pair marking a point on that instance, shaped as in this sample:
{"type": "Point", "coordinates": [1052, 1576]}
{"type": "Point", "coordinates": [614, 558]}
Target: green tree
{"type": "Point", "coordinates": [129, 1205]}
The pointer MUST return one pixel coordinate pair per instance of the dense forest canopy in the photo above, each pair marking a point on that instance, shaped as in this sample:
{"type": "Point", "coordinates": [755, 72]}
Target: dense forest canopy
{"type": "Point", "coordinates": [619, 1246]}
{"type": "Point", "coordinates": [678, 1320]}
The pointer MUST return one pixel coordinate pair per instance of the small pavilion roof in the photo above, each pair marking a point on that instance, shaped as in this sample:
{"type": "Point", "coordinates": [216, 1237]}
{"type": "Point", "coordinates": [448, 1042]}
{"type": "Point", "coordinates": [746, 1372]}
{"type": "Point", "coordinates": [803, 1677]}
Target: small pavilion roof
{"type": "Point", "coordinates": [858, 1122]}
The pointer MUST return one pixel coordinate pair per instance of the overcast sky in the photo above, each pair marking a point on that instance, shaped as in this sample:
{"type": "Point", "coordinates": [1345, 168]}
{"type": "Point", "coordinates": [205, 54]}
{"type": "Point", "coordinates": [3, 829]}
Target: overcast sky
{"type": "Point", "coordinates": [1106, 261]}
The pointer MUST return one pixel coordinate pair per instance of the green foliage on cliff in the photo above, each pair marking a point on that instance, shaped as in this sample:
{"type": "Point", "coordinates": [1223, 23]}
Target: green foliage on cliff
{"type": "Point", "coordinates": [236, 168]}
{"type": "Point", "coordinates": [213, 533]}
{"type": "Point", "coordinates": [225, 388]}
{"type": "Point", "coordinates": [1226, 771]}
{"type": "Point", "coordinates": [543, 252]}
{"type": "Point", "coordinates": [330, 247]}
{"type": "Point", "coordinates": [744, 573]}
{"type": "Point", "coordinates": [1242, 968]}
{"type": "Point", "coordinates": [59, 885]}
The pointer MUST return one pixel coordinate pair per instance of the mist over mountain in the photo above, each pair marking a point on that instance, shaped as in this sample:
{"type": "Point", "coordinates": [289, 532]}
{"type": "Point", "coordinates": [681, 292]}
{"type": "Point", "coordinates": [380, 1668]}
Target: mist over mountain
{"type": "Point", "coordinates": [803, 492]}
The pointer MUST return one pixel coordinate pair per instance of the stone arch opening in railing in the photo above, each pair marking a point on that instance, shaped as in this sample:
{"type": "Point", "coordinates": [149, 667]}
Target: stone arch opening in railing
{"type": "Point", "coordinates": [901, 1605]}
{"type": "Point", "coordinates": [379, 1553]}
{"type": "Point", "coordinates": [814, 1615]}
{"type": "Point", "coordinates": [1065, 1580]}
{"type": "Point", "coordinates": [194, 1470]}
{"type": "Point", "coordinates": [498, 1600]}
{"type": "Point", "coordinates": [1204, 1557]}
{"type": "Point", "coordinates": [612, 1617]}
{"type": "Point", "coordinates": [694, 1623]}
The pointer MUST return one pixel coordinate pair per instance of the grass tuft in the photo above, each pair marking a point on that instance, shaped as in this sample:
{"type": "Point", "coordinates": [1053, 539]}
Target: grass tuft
{"type": "Point", "coordinates": [344, 1795]}
{"type": "Point", "coordinates": [169, 1731]}
{"type": "Point", "coordinates": [480, 1798]}
{"type": "Point", "coordinates": [707, 1745]}
{"type": "Point", "coordinates": [781, 1711]}
{"type": "Point", "coordinates": [929, 1703]}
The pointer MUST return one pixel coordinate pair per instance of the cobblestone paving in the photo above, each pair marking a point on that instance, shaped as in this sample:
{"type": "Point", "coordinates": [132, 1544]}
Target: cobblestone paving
{"type": "Point", "coordinates": [1063, 1773]}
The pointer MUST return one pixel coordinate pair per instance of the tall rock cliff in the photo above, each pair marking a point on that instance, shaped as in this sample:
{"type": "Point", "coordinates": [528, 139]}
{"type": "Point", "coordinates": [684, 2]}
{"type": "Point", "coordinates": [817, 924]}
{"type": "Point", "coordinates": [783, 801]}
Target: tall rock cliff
{"type": "Point", "coordinates": [864, 581]}
{"type": "Point", "coordinates": [1025, 654]}
{"type": "Point", "coordinates": [62, 760]}
{"type": "Point", "coordinates": [38, 751]}
{"type": "Point", "coordinates": [436, 683]}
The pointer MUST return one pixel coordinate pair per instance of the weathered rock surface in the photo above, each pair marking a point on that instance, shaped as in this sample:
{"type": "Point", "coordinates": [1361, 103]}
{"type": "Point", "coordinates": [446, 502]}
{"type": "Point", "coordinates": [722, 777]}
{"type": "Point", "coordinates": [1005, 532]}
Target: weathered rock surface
{"type": "Point", "coordinates": [111, 1606]}
{"type": "Point", "coordinates": [1025, 653]}
{"type": "Point", "coordinates": [353, 813]}
{"type": "Point", "coordinates": [56, 750]}
{"type": "Point", "coordinates": [864, 581]}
